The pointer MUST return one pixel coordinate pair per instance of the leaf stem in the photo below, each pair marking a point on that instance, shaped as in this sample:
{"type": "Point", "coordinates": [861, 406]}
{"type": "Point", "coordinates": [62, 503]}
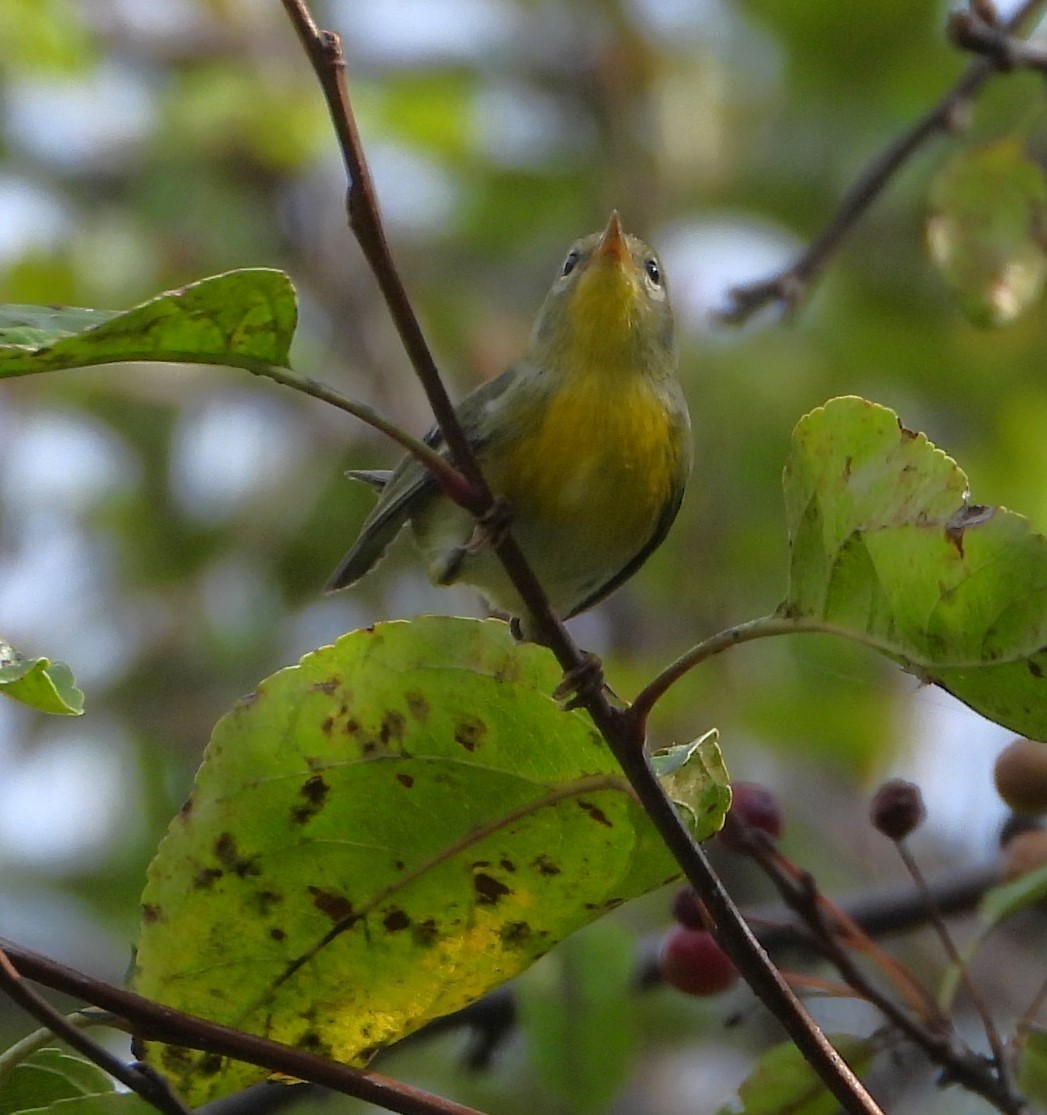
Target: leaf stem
{"type": "Point", "coordinates": [763, 628]}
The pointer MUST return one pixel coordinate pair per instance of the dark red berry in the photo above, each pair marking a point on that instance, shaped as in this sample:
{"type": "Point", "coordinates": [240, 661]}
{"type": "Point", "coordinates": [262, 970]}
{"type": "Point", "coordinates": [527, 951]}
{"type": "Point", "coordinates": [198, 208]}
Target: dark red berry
{"type": "Point", "coordinates": [752, 807]}
{"type": "Point", "coordinates": [691, 961]}
{"type": "Point", "coordinates": [897, 808]}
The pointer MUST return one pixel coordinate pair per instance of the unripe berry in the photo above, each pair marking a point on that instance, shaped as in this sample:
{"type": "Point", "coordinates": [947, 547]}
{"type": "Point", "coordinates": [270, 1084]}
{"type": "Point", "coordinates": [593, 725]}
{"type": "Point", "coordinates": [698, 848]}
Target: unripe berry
{"type": "Point", "coordinates": [1021, 776]}
{"type": "Point", "coordinates": [691, 961]}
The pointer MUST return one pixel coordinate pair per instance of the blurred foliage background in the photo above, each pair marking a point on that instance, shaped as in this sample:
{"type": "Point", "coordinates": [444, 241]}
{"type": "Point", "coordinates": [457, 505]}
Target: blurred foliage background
{"type": "Point", "coordinates": [166, 530]}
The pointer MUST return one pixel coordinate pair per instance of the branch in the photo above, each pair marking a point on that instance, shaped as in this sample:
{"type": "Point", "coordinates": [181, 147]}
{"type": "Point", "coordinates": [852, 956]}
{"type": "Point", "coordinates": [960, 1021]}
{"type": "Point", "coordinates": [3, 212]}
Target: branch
{"type": "Point", "coordinates": [155, 1022]}
{"type": "Point", "coordinates": [624, 736]}
{"type": "Point", "coordinates": [833, 933]}
{"type": "Point", "coordinates": [937, 922]}
{"type": "Point", "coordinates": [142, 1079]}
{"type": "Point", "coordinates": [761, 628]}
{"type": "Point", "coordinates": [446, 475]}
{"type": "Point", "coordinates": [790, 286]}
{"type": "Point", "coordinates": [324, 50]}
{"type": "Point", "coordinates": [877, 913]}
{"type": "Point", "coordinates": [970, 31]}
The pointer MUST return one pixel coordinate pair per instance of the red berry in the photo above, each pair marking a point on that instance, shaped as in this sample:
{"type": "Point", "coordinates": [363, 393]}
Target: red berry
{"type": "Point", "coordinates": [691, 961]}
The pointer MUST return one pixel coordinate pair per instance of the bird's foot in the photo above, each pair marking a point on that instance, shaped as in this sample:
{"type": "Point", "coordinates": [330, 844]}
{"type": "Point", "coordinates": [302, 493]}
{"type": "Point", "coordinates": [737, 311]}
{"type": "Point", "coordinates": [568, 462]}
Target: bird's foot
{"type": "Point", "coordinates": [582, 682]}
{"type": "Point", "coordinates": [491, 527]}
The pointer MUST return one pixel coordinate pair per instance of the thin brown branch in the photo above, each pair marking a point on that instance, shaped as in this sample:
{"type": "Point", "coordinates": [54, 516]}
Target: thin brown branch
{"type": "Point", "coordinates": [445, 473]}
{"type": "Point", "coordinates": [625, 737]}
{"type": "Point", "coordinates": [762, 628]}
{"type": "Point", "coordinates": [324, 50]}
{"type": "Point", "coordinates": [949, 945]}
{"type": "Point", "coordinates": [141, 1079]}
{"type": "Point", "coordinates": [969, 31]}
{"type": "Point", "coordinates": [146, 1019]}
{"type": "Point", "coordinates": [878, 913]}
{"type": "Point", "coordinates": [831, 930]}
{"type": "Point", "coordinates": [1030, 1014]}
{"type": "Point", "coordinates": [790, 286]}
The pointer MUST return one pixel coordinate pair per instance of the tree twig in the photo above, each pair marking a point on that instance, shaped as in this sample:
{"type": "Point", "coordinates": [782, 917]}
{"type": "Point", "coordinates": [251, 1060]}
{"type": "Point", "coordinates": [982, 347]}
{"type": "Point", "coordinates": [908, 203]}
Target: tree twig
{"type": "Point", "coordinates": [324, 50]}
{"type": "Point", "coordinates": [625, 737]}
{"type": "Point", "coordinates": [141, 1079]}
{"type": "Point", "coordinates": [790, 286]}
{"type": "Point", "coordinates": [878, 913]}
{"type": "Point", "coordinates": [1003, 1068]}
{"type": "Point", "coordinates": [970, 31]}
{"type": "Point", "coordinates": [934, 1033]}
{"type": "Point", "coordinates": [146, 1019]}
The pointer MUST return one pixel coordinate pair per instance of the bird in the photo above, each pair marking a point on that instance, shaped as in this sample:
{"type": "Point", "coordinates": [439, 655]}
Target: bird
{"type": "Point", "coordinates": [586, 439]}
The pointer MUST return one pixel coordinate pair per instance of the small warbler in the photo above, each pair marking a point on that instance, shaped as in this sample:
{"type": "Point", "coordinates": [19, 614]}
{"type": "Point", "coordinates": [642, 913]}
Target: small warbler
{"type": "Point", "coordinates": [587, 437]}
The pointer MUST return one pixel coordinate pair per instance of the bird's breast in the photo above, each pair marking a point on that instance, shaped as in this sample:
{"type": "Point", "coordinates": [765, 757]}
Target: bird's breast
{"type": "Point", "coordinates": [600, 464]}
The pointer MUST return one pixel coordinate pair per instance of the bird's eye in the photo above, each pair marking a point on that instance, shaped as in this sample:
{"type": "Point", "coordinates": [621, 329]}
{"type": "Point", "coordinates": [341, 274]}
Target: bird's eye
{"type": "Point", "coordinates": [570, 262]}
{"type": "Point", "coordinates": [654, 272]}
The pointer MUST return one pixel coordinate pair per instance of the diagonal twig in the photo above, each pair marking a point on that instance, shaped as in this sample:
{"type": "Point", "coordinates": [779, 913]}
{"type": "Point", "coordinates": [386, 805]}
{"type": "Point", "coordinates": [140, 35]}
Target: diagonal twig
{"type": "Point", "coordinates": [142, 1079]}
{"type": "Point", "coordinates": [625, 737]}
{"type": "Point", "coordinates": [790, 286]}
{"type": "Point", "coordinates": [146, 1019]}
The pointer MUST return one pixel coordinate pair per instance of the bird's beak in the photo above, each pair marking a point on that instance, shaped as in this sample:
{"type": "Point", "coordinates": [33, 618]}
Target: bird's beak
{"type": "Point", "coordinates": [612, 243]}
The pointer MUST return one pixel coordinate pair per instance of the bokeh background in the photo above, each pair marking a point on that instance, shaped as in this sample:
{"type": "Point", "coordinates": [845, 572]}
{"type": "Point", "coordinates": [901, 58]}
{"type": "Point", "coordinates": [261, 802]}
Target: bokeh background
{"type": "Point", "coordinates": [166, 530]}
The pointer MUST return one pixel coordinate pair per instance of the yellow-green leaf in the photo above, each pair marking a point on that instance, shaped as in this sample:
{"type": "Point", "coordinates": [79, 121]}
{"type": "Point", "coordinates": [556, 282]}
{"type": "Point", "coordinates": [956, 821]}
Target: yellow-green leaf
{"type": "Point", "coordinates": [887, 548]}
{"type": "Point", "coordinates": [38, 682]}
{"type": "Point", "coordinates": [380, 835]}
{"type": "Point", "coordinates": [695, 777]}
{"type": "Point", "coordinates": [783, 1083]}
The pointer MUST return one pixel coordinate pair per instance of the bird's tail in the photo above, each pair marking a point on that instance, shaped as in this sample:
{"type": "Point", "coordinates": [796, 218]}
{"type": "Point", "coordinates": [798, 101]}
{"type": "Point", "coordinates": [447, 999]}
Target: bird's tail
{"type": "Point", "coordinates": [374, 539]}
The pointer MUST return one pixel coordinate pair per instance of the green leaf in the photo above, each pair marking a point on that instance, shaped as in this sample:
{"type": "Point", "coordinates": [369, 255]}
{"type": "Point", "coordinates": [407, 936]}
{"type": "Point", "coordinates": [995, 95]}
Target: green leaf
{"type": "Point", "coordinates": [1011, 898]}
{"type": "Point", "coordinates": [241, 318]}
{"type": "Point", "coordinates": [50, 1075]}
{"type": "Point", "coordinates": [986, 229]}
{"type": "Point", "coordinates": [380, 835]}
{"type": "Point", "coordinates": [38, 682]}
{"type": "Point", "coordinates": [888, 550]}
{"type": "Point", "coordinates": [695, 777]}
{"type": "Point", "coordinates": [1032, 1068]}
{"type": "Point", "coordinates": [783, 1083]}
{"type": "Point", "coordinates": [109, 1103]}
{"type": "Point", "coordinates": [577, 1012]}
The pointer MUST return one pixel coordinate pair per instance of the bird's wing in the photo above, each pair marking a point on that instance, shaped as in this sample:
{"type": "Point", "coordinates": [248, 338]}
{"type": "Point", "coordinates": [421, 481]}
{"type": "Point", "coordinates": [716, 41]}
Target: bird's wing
{"type": "Point", "coordinates": [410, 484]}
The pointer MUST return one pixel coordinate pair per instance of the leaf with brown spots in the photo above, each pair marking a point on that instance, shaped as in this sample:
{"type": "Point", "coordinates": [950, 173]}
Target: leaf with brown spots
{"type": "Point", "coordinates": [386, 832]}
{"type": "Point", "coordinates": [887, 549]}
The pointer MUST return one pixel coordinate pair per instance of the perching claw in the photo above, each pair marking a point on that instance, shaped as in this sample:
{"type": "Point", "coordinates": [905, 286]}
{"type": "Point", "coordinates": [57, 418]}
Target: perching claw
{"type": "Point", "coordinates": [581, 682]}
{"type": "Point", "coordinates": [491, 527]}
